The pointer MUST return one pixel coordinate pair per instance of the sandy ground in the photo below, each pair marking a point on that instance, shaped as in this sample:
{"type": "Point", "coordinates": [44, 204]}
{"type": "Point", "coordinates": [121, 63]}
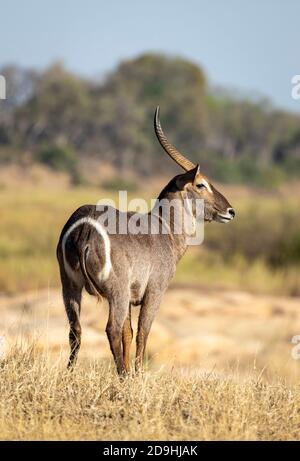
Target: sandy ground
{"type": "Point", "coordinates": [194, 329]}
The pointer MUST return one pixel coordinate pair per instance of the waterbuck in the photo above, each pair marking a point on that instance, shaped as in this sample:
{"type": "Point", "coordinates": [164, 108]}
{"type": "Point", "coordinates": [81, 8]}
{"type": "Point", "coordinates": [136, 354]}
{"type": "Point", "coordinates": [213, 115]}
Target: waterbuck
{"type": "Point", "coordinates": [131, 269]}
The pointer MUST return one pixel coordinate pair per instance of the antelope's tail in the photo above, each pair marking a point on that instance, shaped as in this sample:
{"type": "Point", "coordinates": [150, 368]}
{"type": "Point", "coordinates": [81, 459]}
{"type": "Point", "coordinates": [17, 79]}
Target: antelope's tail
{"type": "Point", "coordinates": [92, 284]}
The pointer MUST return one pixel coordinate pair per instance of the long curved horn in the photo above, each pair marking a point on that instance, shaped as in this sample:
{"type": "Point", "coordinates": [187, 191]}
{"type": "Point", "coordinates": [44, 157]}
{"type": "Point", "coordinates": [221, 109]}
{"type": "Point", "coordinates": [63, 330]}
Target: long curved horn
{"type": "Point", "coordinates": [171, 151]}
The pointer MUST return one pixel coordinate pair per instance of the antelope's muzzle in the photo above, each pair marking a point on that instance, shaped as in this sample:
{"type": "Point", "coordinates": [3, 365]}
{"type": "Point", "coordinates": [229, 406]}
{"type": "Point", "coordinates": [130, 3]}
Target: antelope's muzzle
{"type": "Point", "coordinates": [226, 217]}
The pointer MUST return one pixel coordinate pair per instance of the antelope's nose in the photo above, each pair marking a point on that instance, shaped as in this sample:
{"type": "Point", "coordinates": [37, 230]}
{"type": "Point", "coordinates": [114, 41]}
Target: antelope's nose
{"type": "Point", "coordinates": [231, 212]}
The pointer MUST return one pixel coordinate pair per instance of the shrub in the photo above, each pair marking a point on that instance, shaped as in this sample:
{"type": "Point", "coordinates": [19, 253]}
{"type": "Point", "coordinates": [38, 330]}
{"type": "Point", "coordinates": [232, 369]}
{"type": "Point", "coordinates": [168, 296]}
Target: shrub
{"type": "Point", "coordinates": [118, 183]}
{"type": "Point", "coordinates": [60, 158]}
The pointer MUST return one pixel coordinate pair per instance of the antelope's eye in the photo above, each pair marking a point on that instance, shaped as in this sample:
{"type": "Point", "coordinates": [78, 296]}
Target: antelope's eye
{"type": "Point", "coordinates": [201, 185]}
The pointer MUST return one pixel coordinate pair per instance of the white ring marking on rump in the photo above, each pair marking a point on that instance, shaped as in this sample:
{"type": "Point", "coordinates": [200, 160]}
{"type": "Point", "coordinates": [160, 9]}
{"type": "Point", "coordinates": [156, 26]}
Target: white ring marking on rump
{"type": "Point", "coordinates": [105, 271]}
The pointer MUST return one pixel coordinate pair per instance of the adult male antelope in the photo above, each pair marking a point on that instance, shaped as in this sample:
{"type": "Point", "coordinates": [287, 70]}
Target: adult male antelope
{"type": "Point", "coordinates": [130, 269]}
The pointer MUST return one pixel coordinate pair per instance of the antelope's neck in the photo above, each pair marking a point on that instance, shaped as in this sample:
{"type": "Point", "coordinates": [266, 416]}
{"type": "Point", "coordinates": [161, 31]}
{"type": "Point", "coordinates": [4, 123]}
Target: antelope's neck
{"type": "Point", "coordinates": [170, 208]}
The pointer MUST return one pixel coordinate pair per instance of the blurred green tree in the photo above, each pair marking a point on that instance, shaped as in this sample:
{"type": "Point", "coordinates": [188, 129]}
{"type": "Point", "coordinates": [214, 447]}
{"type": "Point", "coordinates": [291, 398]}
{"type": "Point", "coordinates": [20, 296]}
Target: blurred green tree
{"type": "Point", "coordinates": [235, 139]}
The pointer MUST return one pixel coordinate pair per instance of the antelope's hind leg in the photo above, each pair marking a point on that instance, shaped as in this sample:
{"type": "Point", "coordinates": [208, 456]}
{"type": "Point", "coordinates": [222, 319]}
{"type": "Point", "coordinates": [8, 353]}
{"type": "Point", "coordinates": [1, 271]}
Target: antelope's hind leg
{"type": "Point", "coordinates": [127, 335]}
{"type": "Point", "coordinates": [72, 301]}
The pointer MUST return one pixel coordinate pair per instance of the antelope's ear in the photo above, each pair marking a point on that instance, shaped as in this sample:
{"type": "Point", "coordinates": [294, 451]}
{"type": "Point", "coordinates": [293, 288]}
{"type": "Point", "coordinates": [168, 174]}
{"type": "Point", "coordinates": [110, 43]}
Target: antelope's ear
{"type": "Point", "coordinates": [197, 171]}
{"type": "Point", "coordinates": [188, 177]}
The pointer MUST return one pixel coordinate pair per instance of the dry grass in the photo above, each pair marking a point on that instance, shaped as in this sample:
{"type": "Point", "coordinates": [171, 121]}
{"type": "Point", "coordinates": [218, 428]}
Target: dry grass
{"type": "Point", "coordinates": [219, 366]}
{"type": "Point", "coordinates": [40, 400]}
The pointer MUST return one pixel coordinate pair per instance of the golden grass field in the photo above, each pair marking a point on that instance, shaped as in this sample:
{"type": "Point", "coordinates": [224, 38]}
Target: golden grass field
{"type": "Point", "coordinates": [40, 400]}
{"type": "Point", "coordinates": [219, 364]}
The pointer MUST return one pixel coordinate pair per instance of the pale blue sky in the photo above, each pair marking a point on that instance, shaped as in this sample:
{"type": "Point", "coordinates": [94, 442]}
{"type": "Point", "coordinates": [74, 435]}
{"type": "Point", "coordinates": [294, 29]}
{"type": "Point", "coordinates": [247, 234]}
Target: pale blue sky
{"type": "Point", "coordinates": [251, 45]}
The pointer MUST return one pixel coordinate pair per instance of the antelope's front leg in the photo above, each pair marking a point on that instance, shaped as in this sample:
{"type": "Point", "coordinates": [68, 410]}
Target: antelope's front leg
{"type": "Point", "coordinates": [149, 308]}
{"type": "Point", "coordinates": [118, 312]}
